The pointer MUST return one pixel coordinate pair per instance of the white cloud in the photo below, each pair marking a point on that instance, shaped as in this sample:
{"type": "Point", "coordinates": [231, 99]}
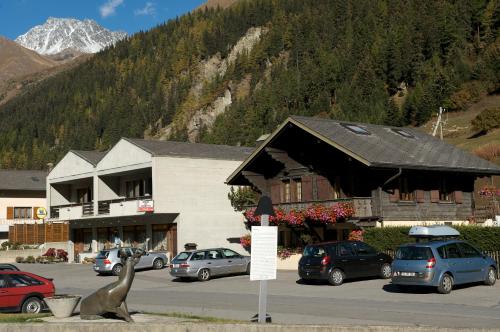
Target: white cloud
{"type": "Point", "coordinates": [109, 7]}
{"type": "Point", "coordinates": [149, 9]}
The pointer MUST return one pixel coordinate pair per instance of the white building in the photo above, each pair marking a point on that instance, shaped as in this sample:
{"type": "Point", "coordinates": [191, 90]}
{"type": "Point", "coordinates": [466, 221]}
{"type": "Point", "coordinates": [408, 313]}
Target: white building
{"type": "Point", "coordinates": [160, 194]}
{"type": "Point", "coordinates": [21, 192]}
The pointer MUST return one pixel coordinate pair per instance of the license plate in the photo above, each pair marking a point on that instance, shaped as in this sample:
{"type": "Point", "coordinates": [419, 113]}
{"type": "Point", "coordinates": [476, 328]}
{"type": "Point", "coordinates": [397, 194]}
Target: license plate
{"type": "Point", "coordinates": [176, 266]}
{"type": "Point", "coordinates": [407, 274]}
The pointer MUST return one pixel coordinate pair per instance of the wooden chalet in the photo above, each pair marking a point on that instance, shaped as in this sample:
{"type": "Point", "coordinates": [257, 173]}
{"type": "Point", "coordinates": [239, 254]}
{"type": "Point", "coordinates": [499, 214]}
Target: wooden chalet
{"type": "Point", "coordinates": [390, 175]}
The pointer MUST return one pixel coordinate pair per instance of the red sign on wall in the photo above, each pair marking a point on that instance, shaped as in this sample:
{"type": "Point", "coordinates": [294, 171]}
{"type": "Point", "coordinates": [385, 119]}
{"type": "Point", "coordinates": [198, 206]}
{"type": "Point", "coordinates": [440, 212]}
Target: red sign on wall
{"type": "Point", "coordinates": [145, 205]}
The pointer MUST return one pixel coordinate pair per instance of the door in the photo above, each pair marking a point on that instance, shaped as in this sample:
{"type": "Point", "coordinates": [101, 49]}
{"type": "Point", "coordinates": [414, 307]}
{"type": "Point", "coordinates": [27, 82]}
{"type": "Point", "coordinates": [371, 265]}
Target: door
{"type": "Point", "coordinates": [475, 265]}
{"type": "Point", "coordinates": [216, 262]}
{"type": "Point", "coordinates": [17, 286]}
{"type": "Point", "coordinates": [349, 261]}
{"type": "Point", "coordinates": [454, 262]}
{"type": "Point", "coordinates": [6, 300]}
{"type": "Point", "coordinates": [235, 261]}
{"type": "Point", "coordinates": [172, 240]}
{"type": "Point", "coordinates": [368, 263]}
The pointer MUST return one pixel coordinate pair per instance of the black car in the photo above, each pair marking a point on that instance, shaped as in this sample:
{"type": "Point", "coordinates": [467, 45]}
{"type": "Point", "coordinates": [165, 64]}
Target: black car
{"type": "Point", "coordinates": [336, 261]}
{"type": "Point", "coordinates": [8, 267]}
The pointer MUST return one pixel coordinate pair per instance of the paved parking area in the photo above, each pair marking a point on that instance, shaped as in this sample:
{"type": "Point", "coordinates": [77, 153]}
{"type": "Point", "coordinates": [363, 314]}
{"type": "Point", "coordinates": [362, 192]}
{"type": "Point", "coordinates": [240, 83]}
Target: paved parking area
{"type": "Point", "coordinates": [362, 302]}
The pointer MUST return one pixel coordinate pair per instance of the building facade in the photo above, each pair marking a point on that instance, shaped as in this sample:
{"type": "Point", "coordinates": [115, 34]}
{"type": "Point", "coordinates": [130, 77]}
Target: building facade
{"type": "Point", "coordinates": [390, 176]}
{"type": "Point", "coordinates": [21, 193]}
{"type": "Point", "coordinates": [156, 194]}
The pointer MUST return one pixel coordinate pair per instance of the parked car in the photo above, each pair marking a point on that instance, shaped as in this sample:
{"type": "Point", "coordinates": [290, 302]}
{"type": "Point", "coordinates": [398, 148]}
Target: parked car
{"type": "Point", "coordinates": [340, 260]}
{"type": "Point", "coordinates": [206, 263]}
{"type": "Point", "coordinates": [8, 267]}
{"type": "Point", "coordinates": [24, 291]}
{"type": "Point", "coordinates": [109, 261]}
{"type": "Point", "coordinates": [442, 264]}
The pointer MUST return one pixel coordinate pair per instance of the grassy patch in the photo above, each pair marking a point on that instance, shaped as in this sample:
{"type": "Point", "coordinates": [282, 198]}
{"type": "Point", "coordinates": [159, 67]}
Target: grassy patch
{"type": "Point", "coordinates": [206, 319]}
{"type": "Point", "coordinates": [22, 318]}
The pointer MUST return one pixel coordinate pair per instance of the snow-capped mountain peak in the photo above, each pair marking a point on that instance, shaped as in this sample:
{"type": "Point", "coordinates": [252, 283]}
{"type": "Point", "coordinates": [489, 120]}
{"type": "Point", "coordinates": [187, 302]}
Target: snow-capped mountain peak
{"type": "Point", "coordinates": [59, 34]}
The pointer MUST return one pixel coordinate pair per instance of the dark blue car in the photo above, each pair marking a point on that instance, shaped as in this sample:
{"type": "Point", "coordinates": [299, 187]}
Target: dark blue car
{"type": "Point", "coordinates": [442, 264]}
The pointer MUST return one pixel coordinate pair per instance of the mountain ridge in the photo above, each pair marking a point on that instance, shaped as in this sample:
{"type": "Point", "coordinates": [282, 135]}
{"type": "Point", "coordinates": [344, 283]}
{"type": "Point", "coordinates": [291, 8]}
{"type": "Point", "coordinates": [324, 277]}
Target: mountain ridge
{"type": "Point", "coordinates": [58, 34]}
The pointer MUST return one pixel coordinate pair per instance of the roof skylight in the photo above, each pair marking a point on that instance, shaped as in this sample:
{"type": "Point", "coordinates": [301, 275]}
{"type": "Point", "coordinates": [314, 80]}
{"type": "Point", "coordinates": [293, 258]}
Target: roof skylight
{"type": "Point", "coordinates": [402, 133]}
{"type": "Point", "coordinates": [355, 129]}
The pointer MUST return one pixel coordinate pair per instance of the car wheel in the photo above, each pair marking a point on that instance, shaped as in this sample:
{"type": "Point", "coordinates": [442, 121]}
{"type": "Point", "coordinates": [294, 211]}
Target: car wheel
{"type": "Point", "coordinates": [32, 305]}
{"type": "Point", "coordinates": [158, 264]}
{"type": "Point", "coordinates": [248, 269]}
{"type": "Point", "coordinates": [336, 277]}
{"type": "Point", "coordinates": [385, 271]}
{"type": "Point", "coordinates": [116, 269]}
{"type": "Point", "coordinates": [491, 277]}
{"type": "Point", "coordinates": [203, 275]}
{"type": "Point", "coordinates": [446, 284]}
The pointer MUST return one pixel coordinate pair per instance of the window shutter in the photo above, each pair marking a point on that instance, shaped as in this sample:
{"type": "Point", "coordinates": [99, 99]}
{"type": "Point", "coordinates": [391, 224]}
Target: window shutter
{"type": "Point", "coordinates": [276, 191]}
{"type": "Point", "coordinates": [434, 196]}
{"type": "Point", "coordinates": [325, 190]}
{"type": "Point", "coordinates": [307, 188]}
{"type": "Point", "coordinates": [458, 197]}
{"type": "Point", "coordinates": [420, 196]}
{"type": "Point", "coordinates": [10, 212]}
{"type": "Point", "coordinates": [394, 197]}
{"type": "Point", "coordinates": [33, 215]}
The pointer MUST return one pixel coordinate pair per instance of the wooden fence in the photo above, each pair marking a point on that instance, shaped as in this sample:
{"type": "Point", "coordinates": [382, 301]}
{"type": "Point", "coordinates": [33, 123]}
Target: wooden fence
{"type": "Point", "coordinates": [38, 233]}
{"type": "Point", "coordinates": [493, 254]}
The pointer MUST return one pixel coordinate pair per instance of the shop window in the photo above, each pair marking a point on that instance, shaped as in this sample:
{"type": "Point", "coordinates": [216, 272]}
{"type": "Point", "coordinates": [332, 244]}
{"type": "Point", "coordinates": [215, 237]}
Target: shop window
{"type": "Point", "coordinates": [134, 236]}
{"type": "Point", "coordinates": [22, 212]}
{"type": "Point", "coordinates": [159, 237]}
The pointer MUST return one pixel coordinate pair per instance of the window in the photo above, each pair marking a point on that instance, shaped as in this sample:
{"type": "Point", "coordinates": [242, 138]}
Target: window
{"type": "Point", "coordinates": [20, 280]}
{"type": "Point", "coordinates": [3, 281]}
{"type": "Point", "coordinates": [139, 188]}
{"type": "Point", "coordinates": [286, 191]}
{"type": "Point", "coordinates": [183, 256]}
{"type": "Point", "coordinates": [411, 253]}
{"type": "Point", "coordinates": [364, 249]}
{"type": "Point", "coordinates": [22, 212]}
{"type": "Point", "coordinates": [468, 251]}
{"type": "Point", "coordinates": [452, 251]}
{"type": "Point", "coordinates": [229, 253]}
{"type": "Point", "coordinates": [84, 195]}
{"type": "Point", "coordinates": [355, 129]}
{"type": "Point", "coordinates": [214, 254]}
{"type": "Point", "coordinates": [314, 251]}
{"type": "Point", "coordinates": [406, 192]}
{"type": "Point", "coordinates": [298, 189]}
{"type": "Point", "coordinates": [402, 133]}
{"type": "Point", "coordinates": [445, 192]}
{"type": "Point", "coordinates": [198, 256]}
{"type": "Point", "coordinates": [345, 249]}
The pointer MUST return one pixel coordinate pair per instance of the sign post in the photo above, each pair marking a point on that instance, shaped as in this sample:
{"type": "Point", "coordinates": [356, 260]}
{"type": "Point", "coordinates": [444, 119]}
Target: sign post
{"type": "Point", "coordinates": [263, 256]}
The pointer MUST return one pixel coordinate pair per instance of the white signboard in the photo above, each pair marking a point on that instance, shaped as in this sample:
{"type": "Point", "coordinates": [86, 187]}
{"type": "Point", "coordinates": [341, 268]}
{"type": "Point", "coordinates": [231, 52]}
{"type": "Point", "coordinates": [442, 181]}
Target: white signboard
{"type": "Point", "coordinates": [146, 205]}
{"type": "Point", "coordinates": [264, 252]}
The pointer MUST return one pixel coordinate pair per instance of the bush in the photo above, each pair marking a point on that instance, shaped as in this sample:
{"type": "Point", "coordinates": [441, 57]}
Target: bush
{"type": "Point", "coordinates": [486, 120]}
{"type": "Point", "coordinates": [19, 259]}
{"type": "Point", "coordinates": [489, 151]}
{"type": "Point", "coordinates": [30, 259]}
{"type": "Point", "coordinates": [39, 259]}
{"type": "Point", "coordinates": [6, 245]}
{"type": "Point", "coordinates": [389, 238]}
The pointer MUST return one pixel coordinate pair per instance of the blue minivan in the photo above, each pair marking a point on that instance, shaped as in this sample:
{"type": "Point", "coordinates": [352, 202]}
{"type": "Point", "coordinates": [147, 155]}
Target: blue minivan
{"type": "Point", "coordinates": [442, 264]}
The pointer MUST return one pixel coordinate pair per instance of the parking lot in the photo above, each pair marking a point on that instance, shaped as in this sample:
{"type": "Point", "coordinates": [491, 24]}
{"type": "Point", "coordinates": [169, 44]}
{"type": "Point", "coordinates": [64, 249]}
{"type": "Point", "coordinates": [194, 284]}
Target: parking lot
{"type": "Point", "coordinates": [361, 302]}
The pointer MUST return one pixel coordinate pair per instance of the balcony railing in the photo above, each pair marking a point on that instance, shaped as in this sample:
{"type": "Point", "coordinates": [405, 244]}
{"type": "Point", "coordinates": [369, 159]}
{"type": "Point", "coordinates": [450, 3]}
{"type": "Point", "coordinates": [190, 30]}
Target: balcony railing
{"type": "Point", "coordinates": [121, 206]}
{"type": "Point", "coordinates": [362, 205]}
{"type": "Point", "coordinates": [72, 211]}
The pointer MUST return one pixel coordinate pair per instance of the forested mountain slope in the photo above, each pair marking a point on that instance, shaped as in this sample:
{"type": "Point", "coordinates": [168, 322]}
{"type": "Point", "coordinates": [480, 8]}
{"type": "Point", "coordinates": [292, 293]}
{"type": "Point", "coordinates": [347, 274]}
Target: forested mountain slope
{"type": "Point", "coordinates": [229, 75]}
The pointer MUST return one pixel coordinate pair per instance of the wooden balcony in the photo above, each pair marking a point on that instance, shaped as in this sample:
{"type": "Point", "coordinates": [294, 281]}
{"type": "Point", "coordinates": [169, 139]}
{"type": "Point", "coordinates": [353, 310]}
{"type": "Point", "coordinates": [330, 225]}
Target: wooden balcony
{"type": "Point", "coordinates": [362, 205]}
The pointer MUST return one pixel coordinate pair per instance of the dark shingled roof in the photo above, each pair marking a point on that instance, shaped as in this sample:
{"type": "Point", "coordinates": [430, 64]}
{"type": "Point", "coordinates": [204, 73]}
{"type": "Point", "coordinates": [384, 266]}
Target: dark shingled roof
{"type": "Point", "coordinates": [384, 147]}
{"type": "Point", "coordinates": [193, 150]}
{"type": "Point", "coordinates": [22, 180]}
{"type": "Point", "coordinates": [93, 157]}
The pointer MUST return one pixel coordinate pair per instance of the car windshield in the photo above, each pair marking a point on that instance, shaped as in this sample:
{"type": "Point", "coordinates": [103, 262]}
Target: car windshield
{"type": "Point", "coordinates": [102, 254]}
{"type": "Point", "coordinates": [314, 251]}
{"type": "Point", "coordinates": [183, 256]}
{"type": "Point", "coordinates": [414, 253]}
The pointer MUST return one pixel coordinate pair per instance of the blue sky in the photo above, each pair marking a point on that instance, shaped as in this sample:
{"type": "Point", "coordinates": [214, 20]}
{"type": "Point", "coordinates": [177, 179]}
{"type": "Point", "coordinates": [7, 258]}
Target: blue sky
{"type": "Point", "coordinates": [18, 16]}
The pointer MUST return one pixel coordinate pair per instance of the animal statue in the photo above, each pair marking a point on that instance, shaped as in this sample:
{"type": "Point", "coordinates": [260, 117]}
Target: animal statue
{"type": "Point", "coordinates": [111, 298]}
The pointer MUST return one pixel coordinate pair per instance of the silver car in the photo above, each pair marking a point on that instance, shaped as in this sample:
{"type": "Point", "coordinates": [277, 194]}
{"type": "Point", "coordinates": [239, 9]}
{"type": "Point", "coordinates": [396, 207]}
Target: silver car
{"type": "Point", "coordinates": [108, 261]}
{"type": "Point", "coordinates": [205, 263]}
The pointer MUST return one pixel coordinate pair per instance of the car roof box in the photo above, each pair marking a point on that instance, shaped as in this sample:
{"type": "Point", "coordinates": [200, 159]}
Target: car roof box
{"type": "Point", "coordinates": [433, 231]}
